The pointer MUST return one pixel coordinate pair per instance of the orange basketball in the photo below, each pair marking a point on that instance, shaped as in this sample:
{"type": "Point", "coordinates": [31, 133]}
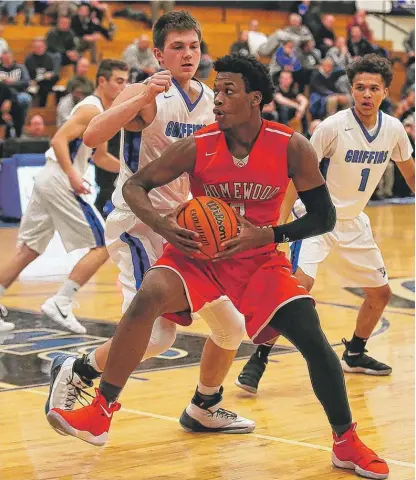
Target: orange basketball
{"type": "Point", "coordinates": [213, 220]}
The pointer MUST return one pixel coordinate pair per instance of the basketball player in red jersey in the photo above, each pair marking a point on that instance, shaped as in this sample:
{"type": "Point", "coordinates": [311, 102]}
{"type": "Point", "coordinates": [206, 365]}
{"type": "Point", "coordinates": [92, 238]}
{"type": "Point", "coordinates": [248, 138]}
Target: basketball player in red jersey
{"type": "Point", "coordinates": [247, 162]}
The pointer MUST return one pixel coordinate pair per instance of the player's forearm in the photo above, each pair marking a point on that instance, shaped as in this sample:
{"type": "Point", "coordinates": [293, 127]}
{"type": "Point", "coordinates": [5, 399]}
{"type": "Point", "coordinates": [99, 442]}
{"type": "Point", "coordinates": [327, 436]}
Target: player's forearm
{"type": "Point", "coordinates": [320, 217]}
{"type": "Point", "coordinates": [107, 162]}
{"type": "Point", "coordinates": [61, 149]}
{"type": "Point", "coordinates": [137, 198]}
{"type": "Point", "coordinates": [105, 125]}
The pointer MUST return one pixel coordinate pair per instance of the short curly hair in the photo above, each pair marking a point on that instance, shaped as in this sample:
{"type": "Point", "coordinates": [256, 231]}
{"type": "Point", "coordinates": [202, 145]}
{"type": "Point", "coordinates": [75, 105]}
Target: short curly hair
{"type": "Point", "coordinates": [371, 63]}
{"type": "Point", "coordinates": [255, 74]}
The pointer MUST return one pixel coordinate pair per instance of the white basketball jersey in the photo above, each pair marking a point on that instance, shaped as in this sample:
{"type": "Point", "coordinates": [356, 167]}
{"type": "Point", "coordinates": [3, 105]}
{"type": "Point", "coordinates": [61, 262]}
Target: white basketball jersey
{"type": "Point", "coordinates": [80, 154]}
{"type": "Point", "coordinates": [358, 159]}
{"type": "Point", "coordinates": [176, 117]}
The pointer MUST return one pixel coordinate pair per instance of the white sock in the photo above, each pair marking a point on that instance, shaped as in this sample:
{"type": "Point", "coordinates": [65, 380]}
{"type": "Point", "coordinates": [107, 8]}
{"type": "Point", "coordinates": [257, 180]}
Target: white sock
{"type": "Point", "coordinates": [2, 290]}
{"type": "Point", "coordinates": [207, 390]}
{"type": "Point", "coordinates": [68, 290]}
{"type": "Point", "coordinates": [93, 362]}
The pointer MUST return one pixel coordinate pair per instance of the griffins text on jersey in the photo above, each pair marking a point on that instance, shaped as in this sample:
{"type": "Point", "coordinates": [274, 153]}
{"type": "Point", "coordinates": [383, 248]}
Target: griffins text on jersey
{"type": "Point", "coordinates": [364, 156]}
{"type": "Point", "coordinates": [241, 190]}
{"type": "Point", "coordinates": [181, 130]}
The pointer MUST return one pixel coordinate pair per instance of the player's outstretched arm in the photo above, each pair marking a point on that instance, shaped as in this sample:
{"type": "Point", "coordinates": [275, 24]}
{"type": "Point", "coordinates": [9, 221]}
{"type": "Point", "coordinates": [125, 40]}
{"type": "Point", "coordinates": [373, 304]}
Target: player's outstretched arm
{"type": "Point", "coordinates": [176, 160]}
{"type": "Point", "coordinates": [133, 109]}
{"type": "Point", "coordinates": [71, 129]}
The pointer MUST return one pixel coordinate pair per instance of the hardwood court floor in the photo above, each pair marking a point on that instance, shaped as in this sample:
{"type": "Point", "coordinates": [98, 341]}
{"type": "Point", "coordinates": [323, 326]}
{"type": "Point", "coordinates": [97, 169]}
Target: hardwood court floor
{"type": "Point", "coordinates": [292, 440]}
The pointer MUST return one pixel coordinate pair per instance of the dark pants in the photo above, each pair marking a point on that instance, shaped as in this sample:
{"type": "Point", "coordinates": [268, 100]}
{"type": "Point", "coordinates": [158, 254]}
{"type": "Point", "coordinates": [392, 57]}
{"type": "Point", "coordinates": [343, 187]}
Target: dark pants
{"type": "Point", "coordinates": [287, 113]}
{"type": "Point", "coordinates": [45, 86]}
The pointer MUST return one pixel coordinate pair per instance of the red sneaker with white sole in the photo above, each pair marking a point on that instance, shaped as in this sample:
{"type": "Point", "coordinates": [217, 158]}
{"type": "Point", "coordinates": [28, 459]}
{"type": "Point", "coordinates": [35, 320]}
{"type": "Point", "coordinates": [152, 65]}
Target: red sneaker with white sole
{"type": "Point", "coordinates": [350, 452]}
{"type": "Point", "coordinates": [90, 423]}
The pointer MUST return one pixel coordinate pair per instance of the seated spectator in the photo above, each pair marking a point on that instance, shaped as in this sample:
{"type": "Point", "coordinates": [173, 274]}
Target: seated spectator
{"type": "Point", "coordinates": [285, 59]}
{"type": "Point", "coordinates": [360, 20]}
{"type": "Point", "coordinates": [310, 59]}
{"type": "Point", "coordinates": [205, 64]}
{"type": "Point", "coordinates": [400, 188]}
{"type": "Point", "coordinates": [255, 38]}
{"type": "Point", "coordinates": [61, 43]}
{"type": "Point", "coordinates": [41, 70]}
{"type": "Point", "coordinates": [326, 96]}
{"type": "Point", "coordinates": [77, 92]}
{"type": "Point", "coordinates": [241, 45]}
{"type": "Point", "coordinates": [3, 43]}
{"type": "Point", "coordinates": [101, 11]}
{"type": "Point", "coordinates": [406, 107]}
{"type": "Point", "coordinates": [11, 114]}
{"type": "Point", "coordinates": [310, 13]}
{"type": "Point", "coordinates": [409, 45]}
{"type": "Point", "coordinates": [325, 37]}
{"type": "Point", "coordinates": [16, 76]}
{"type": "Point", "coordinates": [312, 127]}
{"type": "Point", "coordinates": [339, 54]}
{"type": "Point", "coordinates": [140, 59]}
{"type": "Point", "coordinates": [10, 8]}
{"type": "Point", "coordinates": [87, 31]}
{"type": "Point", "coordinates": [59, 8]}
{"type": "Point", "coordinates": [269, 112]}
{"type": "Point", "coordinates": [157, 5]}
{"type": "Point", "coordinates": [35, 129]}
{"type": "Point", "coordinates": [289, 102]}
{"type": "Point", "coordinates": [81, 76]}
{"type": "Point", "coordinates": [357, 45]}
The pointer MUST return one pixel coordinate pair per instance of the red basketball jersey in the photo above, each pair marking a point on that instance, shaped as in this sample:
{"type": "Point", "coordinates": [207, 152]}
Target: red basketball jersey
{"type": "Point", "coordinates": [254, 186]}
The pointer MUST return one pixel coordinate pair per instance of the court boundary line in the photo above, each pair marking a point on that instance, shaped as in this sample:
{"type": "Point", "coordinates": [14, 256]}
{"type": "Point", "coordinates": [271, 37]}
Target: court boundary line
{"type": "Point", "coordinates": [296, 443]}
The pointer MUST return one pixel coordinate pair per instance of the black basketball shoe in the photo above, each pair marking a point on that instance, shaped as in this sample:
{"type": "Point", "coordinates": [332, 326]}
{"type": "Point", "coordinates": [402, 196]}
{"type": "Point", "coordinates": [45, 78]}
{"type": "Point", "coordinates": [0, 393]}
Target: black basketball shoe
{"type": "Point", "coordinates": [353, 362]}
{"type": "Point", "coordinates": [252, 372]}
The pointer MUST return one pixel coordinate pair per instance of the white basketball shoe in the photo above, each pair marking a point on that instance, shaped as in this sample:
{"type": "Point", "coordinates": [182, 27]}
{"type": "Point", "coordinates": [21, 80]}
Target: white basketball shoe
{"type": "Point", "coordinates": [59, 309]}
{"type": "Point", "coordinates": [5, 326]}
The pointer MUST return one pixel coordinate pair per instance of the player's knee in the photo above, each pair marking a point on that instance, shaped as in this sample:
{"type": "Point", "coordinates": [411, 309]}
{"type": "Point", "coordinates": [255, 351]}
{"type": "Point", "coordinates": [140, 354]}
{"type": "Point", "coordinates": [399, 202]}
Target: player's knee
{"type": "Point", "coordinates": [379, 296]}
{"type": "Point", "coordinates": [230, 335]}
{"type": "Point", "coordinates": [163, 336]}
{"type": "Point", "coordinates": [26, 252]}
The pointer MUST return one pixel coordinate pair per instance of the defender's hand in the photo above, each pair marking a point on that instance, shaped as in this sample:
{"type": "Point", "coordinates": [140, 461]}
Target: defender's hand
{"type": "Point", "coordinates": [79, 185]}
{"type": "Point", "coordinates": [157, 83]}
{"type": "Point", "coordinates": [249, 237]}
{"type": "Point", "coordinates": [181, 238]}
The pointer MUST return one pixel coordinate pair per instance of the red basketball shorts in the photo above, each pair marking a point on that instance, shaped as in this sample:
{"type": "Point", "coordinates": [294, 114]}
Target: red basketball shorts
{"type": "Point", "coordinates": [258, 285]}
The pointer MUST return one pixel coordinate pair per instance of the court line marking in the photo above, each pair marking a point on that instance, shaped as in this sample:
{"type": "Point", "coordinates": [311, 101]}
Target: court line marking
{"type": "Point", "coordinates": [255, 435]}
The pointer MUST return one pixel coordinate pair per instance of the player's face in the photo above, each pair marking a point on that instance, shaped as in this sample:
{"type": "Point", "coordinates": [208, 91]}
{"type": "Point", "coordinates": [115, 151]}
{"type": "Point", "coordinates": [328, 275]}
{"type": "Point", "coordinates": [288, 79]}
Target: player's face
{"type": "Point", "coordinates": [368, 91]}
{"type": "Point", "coordinates": [116, 83]}
{"type": "Point", "coordinates": [181, 54]}
{"type": "Point", "coordinates": [233, 106]}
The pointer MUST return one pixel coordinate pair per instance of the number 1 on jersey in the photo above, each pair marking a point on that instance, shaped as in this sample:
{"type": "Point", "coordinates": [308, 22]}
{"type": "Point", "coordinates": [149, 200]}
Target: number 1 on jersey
{"type": "Point", "coordinates": [365, 173]}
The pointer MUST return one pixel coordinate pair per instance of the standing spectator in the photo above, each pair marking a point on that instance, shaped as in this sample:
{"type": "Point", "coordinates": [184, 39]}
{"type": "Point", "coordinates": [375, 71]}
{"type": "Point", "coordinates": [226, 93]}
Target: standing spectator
{"type": "Point", "coordinates": [326, 97]}
{"type": "Point", "coordinates": [166, 6]}
{"type": "Point", "coordinates": [16, 76]}
{"type": "Point", "coordinates": [61, 43]}
{"type": "Point", "coordinates": [35, 129]}
{"type": "Point", "coordinates": [310, 59]}
{"type": "Point", "coordinates": [289, 102]}
{"type": "Point", "coordinates": [3, 43]}
{"type": "Point", "coordinates": [40, 66]}
{"type": "Point", "coordinates": [339, 54]}
{"type": "Point", "coordinates": [205, 64]}
{"type": "Point", "coordinates": [77, 92]}
{"type": "Point", "coordinates": [87, 32]}
{"type": "Point", "coordinates": [360, 20]}
{"type": "Point", "coordinates": [357, 45]}
{"type": "Point", "coordinates": [81, 76]}
{"type": "Point", "coordinates": [241, 46]}
{"type": "Point", "coordinates": [325, 37]}
{"type": "Point", "coordinates": [255, 38]}
{"type": "Point", "coordinates": [140, 59]}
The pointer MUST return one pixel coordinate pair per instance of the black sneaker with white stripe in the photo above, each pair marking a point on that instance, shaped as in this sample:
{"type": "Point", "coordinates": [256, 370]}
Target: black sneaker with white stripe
{"type": "Point", "coordinates": [252, 372]}
{"type": "Point", "coordinates": [353, 362]}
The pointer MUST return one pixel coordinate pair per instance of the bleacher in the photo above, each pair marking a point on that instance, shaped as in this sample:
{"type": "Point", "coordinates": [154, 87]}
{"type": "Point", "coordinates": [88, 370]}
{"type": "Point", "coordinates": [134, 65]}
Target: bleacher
{"type": "Point", "coordinates": [221, 26]}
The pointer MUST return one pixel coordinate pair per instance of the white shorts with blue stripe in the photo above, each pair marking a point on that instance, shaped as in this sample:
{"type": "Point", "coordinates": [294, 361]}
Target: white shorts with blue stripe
{"type": "Point", "coordinates": [54, 206]}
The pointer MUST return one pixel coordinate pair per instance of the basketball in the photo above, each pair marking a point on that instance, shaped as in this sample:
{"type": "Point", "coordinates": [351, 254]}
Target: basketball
{"type": "Point", "coordinates": [213, 220]}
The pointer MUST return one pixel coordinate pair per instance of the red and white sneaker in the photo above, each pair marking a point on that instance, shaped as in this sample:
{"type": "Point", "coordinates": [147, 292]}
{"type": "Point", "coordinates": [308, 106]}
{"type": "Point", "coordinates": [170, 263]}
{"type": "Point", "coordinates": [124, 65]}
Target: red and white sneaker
{"type": "Point", "coordinates": [90, 423]}
{"type": "Point", "coordinates": [350, 452]}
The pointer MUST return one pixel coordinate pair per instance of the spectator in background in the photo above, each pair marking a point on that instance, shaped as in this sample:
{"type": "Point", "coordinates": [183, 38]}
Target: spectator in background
{"type": "Point", "coordinates": [77, 92]}
{"type": "Point", "coordinates": [140, 59]}
{"type": "Point", "coordinates": [241, 45]}
{"type": "Point", "coordinates": [400, 187]}
{"type": "Point", "coordinates": [310, 59]}
{"type": "Point", "coordinates": [326, 96]}
{"type": "Point", "coordinates": [357, 45]}
{"type": "Point", "coordinates": [255, 38]}
{"type": "Point", "coordinates": [3, 43]}
{"type": "Point", "coordinates": [409, 45]}
{"type": "Point", "coordinates": [81, 77]}
{"type": "Point", "coordinates": [205, 64]}
{"type": "Point", "coordinates": [325, 37]}
{"type": "Point", "coordinates": [100, 11]}
{"type": "Point", "coordinates": [312, 127]}
{"type": "Point", "coordinates": [10, 8]}
{"type": "Point", "coordinates": [35, 129]}
{"type": "Point", "coordinates": [406, 107]}
{"type": "Point", "coordinates": [11, 114]}
{"type": "Point", "coordinates": [339, 54]}
{"type": "Point", "coordinates": [166, 6]}
{"type": "Point", "coordinates": [289, 102]}
{"type": "Point", "coordinates": [40, 66]}
{"type": "Point", "coordinates": [59, 8]}
{"type": "Point", "coordinates": [360, 20]}
{"type": "Point", "coordinates": [61, 43]}
{"type": "Point", "coordinates": [16, 76]}
{"type": "Point", "coordinates": [87, 31]}
{"type": "Point", "coordinates": [286, 60]}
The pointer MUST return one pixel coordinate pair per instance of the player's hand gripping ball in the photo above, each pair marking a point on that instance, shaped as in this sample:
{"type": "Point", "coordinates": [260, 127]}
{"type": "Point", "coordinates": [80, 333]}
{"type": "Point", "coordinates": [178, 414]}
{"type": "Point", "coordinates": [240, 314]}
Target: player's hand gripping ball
{"type": "Point", "coordinates": [214, 221]}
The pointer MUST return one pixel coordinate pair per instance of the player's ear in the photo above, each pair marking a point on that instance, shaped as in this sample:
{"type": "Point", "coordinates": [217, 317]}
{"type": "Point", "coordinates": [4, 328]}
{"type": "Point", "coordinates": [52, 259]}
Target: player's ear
{"type": "Point", "coordinates": [386, 92]}
{"type": "Point", "coordinates": [158, 54]}
{"type": "Point", "coordinates": [256, 99]}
